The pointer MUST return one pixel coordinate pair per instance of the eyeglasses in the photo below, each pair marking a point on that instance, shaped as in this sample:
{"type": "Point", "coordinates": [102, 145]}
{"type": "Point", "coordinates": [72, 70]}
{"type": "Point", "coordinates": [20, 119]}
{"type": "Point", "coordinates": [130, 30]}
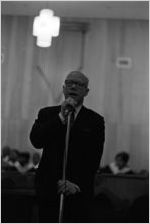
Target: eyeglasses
{"type": "Point", "coordinates": [70, 83]}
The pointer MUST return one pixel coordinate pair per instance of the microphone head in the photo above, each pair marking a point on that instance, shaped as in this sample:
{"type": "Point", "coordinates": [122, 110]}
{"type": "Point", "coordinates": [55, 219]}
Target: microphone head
{"type": "Point", "coordinates": [69, 108]}
{"type": "Point", "coordinates": [71, 101]}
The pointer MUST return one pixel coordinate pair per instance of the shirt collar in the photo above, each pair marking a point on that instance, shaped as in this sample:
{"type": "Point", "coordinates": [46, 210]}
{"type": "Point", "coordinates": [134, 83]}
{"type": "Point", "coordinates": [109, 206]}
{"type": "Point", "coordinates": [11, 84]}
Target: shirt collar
{"type": "Point", "coordinates": [77, 110]}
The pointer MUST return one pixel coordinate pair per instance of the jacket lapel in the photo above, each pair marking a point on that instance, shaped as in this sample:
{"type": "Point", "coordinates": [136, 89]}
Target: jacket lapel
{"type": "Point", "coordinates": [81, 116]}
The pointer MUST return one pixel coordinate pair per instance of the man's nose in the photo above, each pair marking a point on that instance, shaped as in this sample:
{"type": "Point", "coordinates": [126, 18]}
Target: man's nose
{"type": "Point", "coordinates": [73, 85]}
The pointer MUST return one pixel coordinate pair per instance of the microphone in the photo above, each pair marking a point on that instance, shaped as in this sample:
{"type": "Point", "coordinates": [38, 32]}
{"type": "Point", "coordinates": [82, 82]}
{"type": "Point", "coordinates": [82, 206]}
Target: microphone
{"type": "Point", "coordinates": [70, 105]}
{"type": "Point", "coordinates": [69, 109]}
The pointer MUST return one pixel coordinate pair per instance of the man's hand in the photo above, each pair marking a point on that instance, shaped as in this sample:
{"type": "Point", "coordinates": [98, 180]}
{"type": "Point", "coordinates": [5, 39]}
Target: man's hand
{"type": "Point", "coordinates": [67, 187]}
{"type": "Point", "coordinates": [67, 106]}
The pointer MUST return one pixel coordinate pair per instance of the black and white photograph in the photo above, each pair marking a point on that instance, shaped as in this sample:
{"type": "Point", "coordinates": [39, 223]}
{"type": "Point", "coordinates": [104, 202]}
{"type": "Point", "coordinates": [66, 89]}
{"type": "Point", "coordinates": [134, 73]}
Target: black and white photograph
{"type": "Point", "coordinates": [74, 111]}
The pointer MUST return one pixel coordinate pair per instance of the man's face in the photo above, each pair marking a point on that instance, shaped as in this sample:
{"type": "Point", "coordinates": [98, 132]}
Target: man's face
{"type": "Point", "coordinates": [75, 86]}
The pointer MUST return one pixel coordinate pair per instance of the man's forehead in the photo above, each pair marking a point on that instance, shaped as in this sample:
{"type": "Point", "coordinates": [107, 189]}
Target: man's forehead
{"type": "Point", "coordinates": [77, 76]}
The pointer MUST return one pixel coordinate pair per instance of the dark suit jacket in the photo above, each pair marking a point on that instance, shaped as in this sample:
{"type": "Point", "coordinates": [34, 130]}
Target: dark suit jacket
{"type": "Point", "coordinates": [84, 153]}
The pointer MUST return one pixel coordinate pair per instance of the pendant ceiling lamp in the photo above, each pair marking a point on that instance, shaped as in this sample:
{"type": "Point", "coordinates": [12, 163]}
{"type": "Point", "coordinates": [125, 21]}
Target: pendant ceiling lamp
{"type": "Point", "coordinates": [46, 26]}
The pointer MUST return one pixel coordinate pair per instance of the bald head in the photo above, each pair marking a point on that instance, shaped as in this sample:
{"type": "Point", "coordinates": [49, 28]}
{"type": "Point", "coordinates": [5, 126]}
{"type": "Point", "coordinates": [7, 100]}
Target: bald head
{"type": "Point", "coordinates": [78, 76]}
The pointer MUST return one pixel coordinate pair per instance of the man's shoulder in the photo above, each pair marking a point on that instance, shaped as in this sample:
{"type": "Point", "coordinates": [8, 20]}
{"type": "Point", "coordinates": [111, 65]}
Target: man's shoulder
{"type": "Point", "coordinates": [93, 113]}
{"type": "Point", "coordinates": [49, 109]}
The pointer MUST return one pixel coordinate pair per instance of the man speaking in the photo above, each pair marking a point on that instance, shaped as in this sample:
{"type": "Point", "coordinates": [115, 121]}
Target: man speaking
{"type": "Point", "coordinates": [85, 148]}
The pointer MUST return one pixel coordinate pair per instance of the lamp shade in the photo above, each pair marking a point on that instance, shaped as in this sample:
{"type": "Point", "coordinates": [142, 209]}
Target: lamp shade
{"type": "Point", "coordinates": [44, 42]}
{"type": "Point", "coordinates": [46, 13]}
{"type": "Point", "coordinates": [46, 26]}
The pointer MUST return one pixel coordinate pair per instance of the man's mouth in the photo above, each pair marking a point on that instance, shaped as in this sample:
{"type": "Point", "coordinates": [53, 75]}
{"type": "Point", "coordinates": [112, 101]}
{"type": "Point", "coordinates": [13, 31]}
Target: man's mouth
{"type": "Point", "coordinates": [73, 94]}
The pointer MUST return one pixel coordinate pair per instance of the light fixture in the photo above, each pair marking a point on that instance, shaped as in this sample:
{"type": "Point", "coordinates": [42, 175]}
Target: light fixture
{"type": "Point", "coordinates": [46, 26]}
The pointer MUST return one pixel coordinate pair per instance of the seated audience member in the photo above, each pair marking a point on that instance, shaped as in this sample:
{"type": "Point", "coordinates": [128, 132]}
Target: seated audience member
{"type": "Point", "coordinates": [35, 162]}
{"type": "Point", "coordinates": [23, 165]}
{"type": "Point", "coordinates": [13, 161]}
{"type": "Point", "coordinates": [5, 157]}
{"type": "Point", "coordinates": [119, 166]}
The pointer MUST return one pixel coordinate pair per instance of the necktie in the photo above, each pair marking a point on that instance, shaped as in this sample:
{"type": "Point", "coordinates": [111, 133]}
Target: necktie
{"type": "Point", "coordinates": [72, 118]}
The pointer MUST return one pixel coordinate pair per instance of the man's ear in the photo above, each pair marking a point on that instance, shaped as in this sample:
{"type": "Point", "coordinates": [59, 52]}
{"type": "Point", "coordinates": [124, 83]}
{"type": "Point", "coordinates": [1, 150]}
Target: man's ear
{"type": "Point", "coordinates": [87, 91]}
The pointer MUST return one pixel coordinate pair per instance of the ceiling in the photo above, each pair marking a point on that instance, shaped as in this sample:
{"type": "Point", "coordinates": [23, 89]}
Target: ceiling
{"type": "Point", "coordinates": [80, 9]}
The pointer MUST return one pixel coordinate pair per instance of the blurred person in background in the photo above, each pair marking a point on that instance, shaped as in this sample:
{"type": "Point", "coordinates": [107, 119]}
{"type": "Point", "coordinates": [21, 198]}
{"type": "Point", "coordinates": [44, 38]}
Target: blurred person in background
{"type": "Point", "coordinates": [119, 165]}
{"type": "Point", "coordinates": [35, 159]}
{"type": "Point", "coordinates": [13, 160]}
{"type": "Point", "coordinates": [6, 150]}
{"type": "Point", "coordinates": [23, 160]}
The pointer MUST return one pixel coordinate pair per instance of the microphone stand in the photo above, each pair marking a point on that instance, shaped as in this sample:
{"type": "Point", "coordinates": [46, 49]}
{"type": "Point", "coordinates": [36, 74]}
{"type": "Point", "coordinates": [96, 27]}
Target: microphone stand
{"type": "Point", "coordinates": [61, 208]}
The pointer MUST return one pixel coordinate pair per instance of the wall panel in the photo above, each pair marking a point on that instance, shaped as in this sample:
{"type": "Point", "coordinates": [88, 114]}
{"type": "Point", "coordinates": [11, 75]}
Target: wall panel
{"type": "Point", "coordinates": [120, 94]}
{"type": "Point", "coordinates": [32, 78]}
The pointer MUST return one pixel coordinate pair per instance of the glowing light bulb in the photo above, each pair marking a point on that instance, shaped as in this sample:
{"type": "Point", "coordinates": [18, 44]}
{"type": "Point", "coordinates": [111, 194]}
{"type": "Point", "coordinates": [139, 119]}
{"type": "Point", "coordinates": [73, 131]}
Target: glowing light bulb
{"type": "Point", "coordinates": [46, 26]}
